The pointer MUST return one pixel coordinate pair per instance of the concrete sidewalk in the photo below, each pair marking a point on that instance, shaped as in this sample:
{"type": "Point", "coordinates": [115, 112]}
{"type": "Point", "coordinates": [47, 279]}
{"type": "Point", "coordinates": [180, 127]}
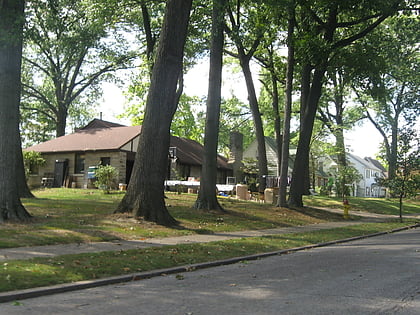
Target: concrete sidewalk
{"type": "Point", "coordinates": [55, 250]}
{"type": "Point", "coordinates": [76, 248]}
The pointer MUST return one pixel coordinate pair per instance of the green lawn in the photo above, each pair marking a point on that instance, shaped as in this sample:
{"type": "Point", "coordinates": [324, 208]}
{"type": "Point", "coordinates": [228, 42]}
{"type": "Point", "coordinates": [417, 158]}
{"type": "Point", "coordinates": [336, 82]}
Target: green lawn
{"type": "Point", "coordinates": [71, 215]}
{"type": "Point", "coordinates": [75, 215]}
{"type": "Point", "coordinates": [374, 205]}
{"type": "Point", "coordinates": [23, 274]}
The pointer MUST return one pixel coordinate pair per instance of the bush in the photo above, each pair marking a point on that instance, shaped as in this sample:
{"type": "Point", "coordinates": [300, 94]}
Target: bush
{"type": "Point", "coordinates": [32, 160]}
{"type": "Point", "coordinates": [106, 178]}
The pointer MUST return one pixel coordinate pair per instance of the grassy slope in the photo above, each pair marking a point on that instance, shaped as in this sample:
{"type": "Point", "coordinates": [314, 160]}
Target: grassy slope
{"type": "Point", "coordinates": [375, 205]}
{"type": "Point", "coordinates": [68, 216]}
{"type": "Point", "coordinates": [63, 216]}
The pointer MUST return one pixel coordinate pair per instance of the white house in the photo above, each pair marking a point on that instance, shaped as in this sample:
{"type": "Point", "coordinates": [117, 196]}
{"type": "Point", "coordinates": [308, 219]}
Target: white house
{"type": "Point", "coordinates": [368, 168]}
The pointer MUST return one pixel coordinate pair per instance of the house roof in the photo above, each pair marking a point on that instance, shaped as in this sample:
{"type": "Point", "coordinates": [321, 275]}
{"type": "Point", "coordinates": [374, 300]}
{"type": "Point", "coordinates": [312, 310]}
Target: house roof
{"type": "Point", "coordinates": [101, 135]}
{"type": "Point", "coordinates": [90, 139]}
{"type": "Point", "coordinates": [191, 152]}
{"type": "Point", "coordinates": [99, 123]}
{"type": "Point", "coordinates": [376, 163]}
{"type": "Point", "coordinates": [367, 163]}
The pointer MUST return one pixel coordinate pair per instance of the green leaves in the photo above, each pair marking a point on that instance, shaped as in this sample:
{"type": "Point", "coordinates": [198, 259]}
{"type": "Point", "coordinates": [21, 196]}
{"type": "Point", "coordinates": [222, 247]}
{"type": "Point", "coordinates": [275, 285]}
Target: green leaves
{"type": "Point", "coordinates": [70, 47]}
{"type": "Point", "coordinates": [105, 177]}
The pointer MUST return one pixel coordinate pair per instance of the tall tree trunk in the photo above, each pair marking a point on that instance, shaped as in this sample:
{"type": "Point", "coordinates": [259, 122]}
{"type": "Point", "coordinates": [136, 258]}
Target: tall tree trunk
{"type": "Point", "coordinates": [145, 194]}
{"type": "Point", "coordinates": [24, 191]}
{"type": "Point", "coordinates": [277, 120]}
{"type": "Point", "coordinates": [300, 174]}
{"type": "Point", "coordinates": [284, 168]}
{"type": "Point", "coordinates": [258, 125]}
{"type": "Point", "coordinates": [207, 198]}
{"type": "Point", "coordinates": [393, 150]}
{"type": "Point", "coordinates": [11, 31]}
{"type": "Point", "coordinates": [61, 121]}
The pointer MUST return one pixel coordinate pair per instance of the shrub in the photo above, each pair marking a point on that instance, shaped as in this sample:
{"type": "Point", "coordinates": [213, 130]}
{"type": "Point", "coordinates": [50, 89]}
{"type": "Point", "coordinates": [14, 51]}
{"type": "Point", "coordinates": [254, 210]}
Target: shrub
{"type": "Point", "coordinates": [32, 160]}
{"type": "Point", "coordinates": [106, 178]}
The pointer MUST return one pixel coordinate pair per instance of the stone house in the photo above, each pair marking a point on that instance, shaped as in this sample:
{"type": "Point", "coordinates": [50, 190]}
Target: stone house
{"type": "Point", "coordinates": [71, 159]}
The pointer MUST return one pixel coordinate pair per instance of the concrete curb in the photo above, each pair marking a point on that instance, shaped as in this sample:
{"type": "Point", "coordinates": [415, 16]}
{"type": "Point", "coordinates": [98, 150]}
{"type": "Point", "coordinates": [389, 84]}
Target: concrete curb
{"type": "Point", "coordinates": [61, 288]}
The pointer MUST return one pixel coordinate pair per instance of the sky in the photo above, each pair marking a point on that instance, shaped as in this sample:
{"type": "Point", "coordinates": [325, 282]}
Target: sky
{"type": "Point", "coordinates": [362, 141]}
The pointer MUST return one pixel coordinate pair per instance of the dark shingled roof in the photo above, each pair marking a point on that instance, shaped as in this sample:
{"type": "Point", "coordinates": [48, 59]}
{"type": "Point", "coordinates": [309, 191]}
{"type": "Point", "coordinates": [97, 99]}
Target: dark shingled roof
{"type": "Point", "coordinates": [98, 123]}
{"type": "Point", "coordinates": [191, 152]}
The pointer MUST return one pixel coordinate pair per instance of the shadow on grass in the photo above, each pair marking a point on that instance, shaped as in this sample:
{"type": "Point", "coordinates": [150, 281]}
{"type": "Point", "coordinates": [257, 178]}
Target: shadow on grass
{"type": "Point", "coordinates": [319, 213]}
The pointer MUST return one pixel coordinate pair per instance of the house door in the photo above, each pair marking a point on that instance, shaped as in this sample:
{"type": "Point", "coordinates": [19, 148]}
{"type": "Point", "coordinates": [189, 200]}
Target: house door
{"type": "Point", "coordinates": [60, 172]}
{"type": "Point", "coordinates": [128, 170]}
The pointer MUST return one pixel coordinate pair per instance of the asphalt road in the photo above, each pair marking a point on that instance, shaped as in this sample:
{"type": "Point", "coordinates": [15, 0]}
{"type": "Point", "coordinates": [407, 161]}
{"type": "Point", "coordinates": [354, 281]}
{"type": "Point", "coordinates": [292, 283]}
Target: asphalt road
{"type": "Point", "coordinates": [378, 275]}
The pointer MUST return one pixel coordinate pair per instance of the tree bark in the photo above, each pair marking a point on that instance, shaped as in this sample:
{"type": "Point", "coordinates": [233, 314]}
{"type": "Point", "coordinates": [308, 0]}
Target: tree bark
{"type": "Point", "coordinates": [61, 120]}
{"type": "Point", "coordinates": [11, 33]}
{"type": "Point", "coordinates": [277, 120]}
{"type": "Point", "coordinates": [207, 198]}
{"type": "Point", "coordinates": [145, 194]}
{"type": "Point", "coordinates": [258, 125]}
{"type": "Point", "coordinates": [284, 168]}
{"type": "Point", "coordinates": [24, 191]}
{"type": "Point", "coordinates": [300, 174]}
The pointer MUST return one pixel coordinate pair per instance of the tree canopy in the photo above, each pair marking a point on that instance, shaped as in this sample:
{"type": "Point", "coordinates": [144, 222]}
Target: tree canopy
{"type": "Point", "coordinates": [69, 47]}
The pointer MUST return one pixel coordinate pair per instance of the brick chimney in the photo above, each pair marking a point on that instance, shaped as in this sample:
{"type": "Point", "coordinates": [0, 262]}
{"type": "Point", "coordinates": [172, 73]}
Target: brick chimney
{"type": "Point", "coordinates": [236, 154]}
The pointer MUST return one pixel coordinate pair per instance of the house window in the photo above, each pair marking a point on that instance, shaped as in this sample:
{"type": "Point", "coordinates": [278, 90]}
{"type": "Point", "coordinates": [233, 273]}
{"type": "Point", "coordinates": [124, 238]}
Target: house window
{"type": "Point", "coordinates": [367, 173]}
{"type": "Point", "coordinates": [79, 166]}
{"type": "Point", "coordinates": [105, 161]}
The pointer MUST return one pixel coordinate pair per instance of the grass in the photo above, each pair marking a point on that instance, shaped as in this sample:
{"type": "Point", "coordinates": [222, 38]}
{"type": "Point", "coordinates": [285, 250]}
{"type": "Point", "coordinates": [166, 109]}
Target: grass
{"type": "Point", "coordinates": [67, 215]}
{"type": "Point", "coordinates": [23, 274]}
{"type": "Point", "coordinates": [374, 205]}
{"type": "Point", "coordinates": [72, 215]}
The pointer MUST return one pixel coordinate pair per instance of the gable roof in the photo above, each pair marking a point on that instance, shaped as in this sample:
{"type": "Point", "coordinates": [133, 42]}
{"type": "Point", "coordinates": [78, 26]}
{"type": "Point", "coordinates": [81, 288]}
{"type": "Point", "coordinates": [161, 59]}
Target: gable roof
{"type": "Point", "coordinates": [91, 139]}
{"type": "Point", "coordinates": [105, 136]}
{"type": "Point", "coordinates": [99, 123]}
{"type": "Point", "coordinates": [376, 163]}
{"type": "Point", "coordinates": [364, 162]}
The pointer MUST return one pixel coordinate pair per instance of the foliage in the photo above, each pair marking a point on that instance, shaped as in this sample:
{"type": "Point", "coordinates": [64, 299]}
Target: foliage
{"type": "Point", "coordinates": [234, 116]}
{"type": "Point", "coordinates": [388, 84]}
{"type": "Point", "coordinates": [406, 182]}
{"type": "Point", "coordinates": [31, 161]}
{"type": "Point", "coordinates": [70, 46]}
{"type": "Point", "coordinates": [106, 177]}
{"type": "Point", "coordinates": [346, 176]}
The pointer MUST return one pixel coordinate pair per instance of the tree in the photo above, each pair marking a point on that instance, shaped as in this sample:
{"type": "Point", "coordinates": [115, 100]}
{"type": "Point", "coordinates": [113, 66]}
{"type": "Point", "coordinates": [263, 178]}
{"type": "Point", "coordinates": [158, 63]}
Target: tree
{"type": "Point", "coordinates": [234, 117]}
{"type": "Point", "coordinates": [70, 46]}
{"type": "Point", "coordinates": [284, 166]}
{"type": "Point", "coordinates": [388, 89]}
{"type": "Point", "coordinates": [246, 35]}
{"type": "Point", "coordinates": [145, 194]}
{"type": "Point", "coordinates": [31, 160]}
{"type": "Point", "coordinates": [324, 29]}
{"type": "Point", "coordinates": [22, 184]}
{"type": "Point", "coordinates": [207, 198]}
{"type": "Point", "coordinates": [335, 112]}
{"type": "Point", "coordinates": [11, 33]}
{"type": "Point", "coordinates": [406, 182]}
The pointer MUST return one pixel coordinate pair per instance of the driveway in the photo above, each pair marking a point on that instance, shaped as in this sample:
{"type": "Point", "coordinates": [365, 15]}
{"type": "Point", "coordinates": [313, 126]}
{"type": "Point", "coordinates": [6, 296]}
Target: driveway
{"type": "Point", "coordinates": [378, 275]}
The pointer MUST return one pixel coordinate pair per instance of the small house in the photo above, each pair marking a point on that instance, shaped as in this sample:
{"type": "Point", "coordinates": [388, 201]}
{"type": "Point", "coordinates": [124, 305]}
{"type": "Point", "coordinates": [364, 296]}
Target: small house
{"type": "Point", "coordinates": [72, 159]}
